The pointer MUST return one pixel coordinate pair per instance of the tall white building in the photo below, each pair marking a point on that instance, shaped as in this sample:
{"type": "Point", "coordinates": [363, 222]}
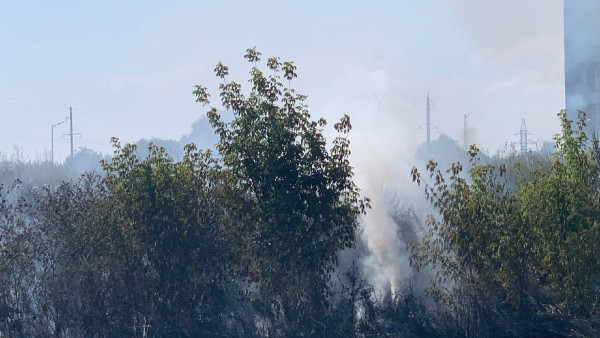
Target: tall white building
{"type": "Point", "coordinates": [582, 60]}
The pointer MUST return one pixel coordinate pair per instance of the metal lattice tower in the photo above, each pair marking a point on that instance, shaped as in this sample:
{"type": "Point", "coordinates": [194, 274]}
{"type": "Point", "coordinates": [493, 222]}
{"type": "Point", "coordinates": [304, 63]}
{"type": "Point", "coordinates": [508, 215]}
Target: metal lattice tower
{"type": "Point", "coordinates": [524, 142]}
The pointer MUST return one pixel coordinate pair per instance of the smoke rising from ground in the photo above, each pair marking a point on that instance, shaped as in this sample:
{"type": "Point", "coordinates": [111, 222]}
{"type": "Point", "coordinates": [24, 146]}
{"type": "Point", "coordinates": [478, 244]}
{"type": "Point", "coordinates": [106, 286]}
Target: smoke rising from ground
{"type": "Point", "coordinates": [382, 146]}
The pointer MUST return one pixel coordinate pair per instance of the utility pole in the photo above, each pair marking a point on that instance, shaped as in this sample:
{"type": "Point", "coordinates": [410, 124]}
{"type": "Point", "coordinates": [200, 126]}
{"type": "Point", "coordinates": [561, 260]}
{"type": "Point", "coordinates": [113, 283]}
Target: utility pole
{"type": "Point", "coordinates": [466, 132]}
{"type": "Point", "coordinates": [71, 134]}
{"type": "Point", "coordinates": [595, 119]}
{"type": "Point", "coordinates": [52, 151]}
{"type": "Point", "coordinates": [428, 119]}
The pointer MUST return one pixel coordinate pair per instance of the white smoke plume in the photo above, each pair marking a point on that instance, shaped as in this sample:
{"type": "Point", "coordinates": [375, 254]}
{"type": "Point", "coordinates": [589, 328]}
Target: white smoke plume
{"type": "Point", "coordinates": [382, 145]}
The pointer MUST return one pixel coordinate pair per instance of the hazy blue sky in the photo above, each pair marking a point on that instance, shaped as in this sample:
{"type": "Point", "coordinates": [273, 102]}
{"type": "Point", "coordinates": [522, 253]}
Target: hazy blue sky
{"type": "Point", "coordinates": [128, 68]}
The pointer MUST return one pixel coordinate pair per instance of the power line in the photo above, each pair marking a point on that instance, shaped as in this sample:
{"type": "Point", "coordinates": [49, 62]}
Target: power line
{"type": "Point", "coordinates": [32, 105]}
{"type": "Point", "coordinates": [54, 125]}
{"type": "Point", "coordinates": [81, 140]}
{"type": "Point", "coordinates": [76, 108]}
{"type": "Point", "coordinates": [71, 131]}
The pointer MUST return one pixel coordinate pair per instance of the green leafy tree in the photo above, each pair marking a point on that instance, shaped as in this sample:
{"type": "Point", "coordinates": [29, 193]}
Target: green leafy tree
{"type": "Point", "coordinates": [143, 250]}
{"type": "Point", "coordinates": [72, 256]}
{"type": "Point", "coordinates": [478, 244]}
{"type": "Point", "coordinates": [16, 264]}
{"type": "Point", "coordinates": [511, 257]}
{"type": "Point", "coordinates": [296, 205]}
{"type": "Point", "coordinates": [562, 208]}
{"type": "Point", "coordinates": [169, 218]}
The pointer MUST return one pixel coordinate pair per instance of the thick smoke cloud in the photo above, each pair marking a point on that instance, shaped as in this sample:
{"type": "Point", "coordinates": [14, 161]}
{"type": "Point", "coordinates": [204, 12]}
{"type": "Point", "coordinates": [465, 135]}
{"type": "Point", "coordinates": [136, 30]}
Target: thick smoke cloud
{"type": "Point", "coordinates": [499, 24]}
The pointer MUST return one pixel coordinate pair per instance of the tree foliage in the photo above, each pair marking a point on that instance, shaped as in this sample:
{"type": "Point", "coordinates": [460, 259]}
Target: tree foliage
{"type": "Point", "coordinates": [296, 203]}
{"type": "Point", "coordinates": [517, 253]}
{"type": "Point", "coordinates": [239, 244]}
{"type": "Point", "coordinates": [142, 247]}
{"type": "Point", "coordinates": [562, 209]}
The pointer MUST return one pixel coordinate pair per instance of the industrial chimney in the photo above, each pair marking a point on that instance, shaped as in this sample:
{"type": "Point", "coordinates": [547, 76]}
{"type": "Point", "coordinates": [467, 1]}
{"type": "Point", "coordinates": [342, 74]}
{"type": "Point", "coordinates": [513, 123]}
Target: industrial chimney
{"type": "Point", "coordinates": [582, 60]}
